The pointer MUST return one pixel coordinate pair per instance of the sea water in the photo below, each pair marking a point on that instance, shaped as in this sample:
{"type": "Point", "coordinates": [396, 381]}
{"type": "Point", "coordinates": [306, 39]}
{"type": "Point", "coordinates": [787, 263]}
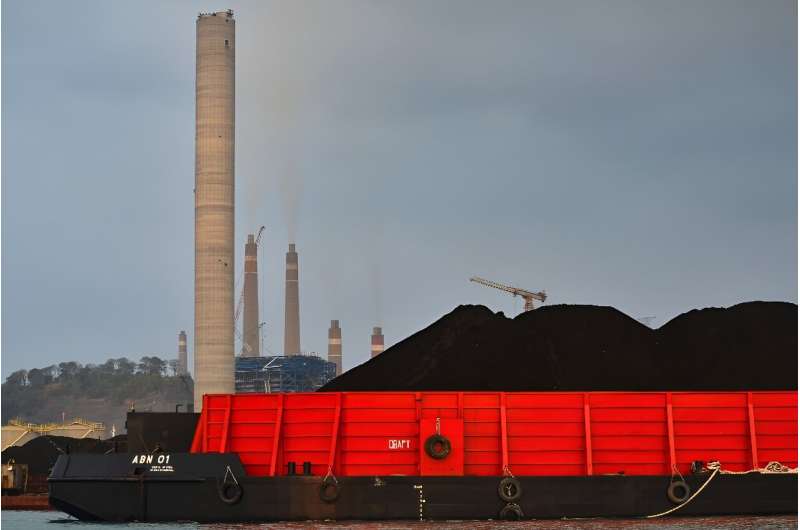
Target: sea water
{"type": "Point", "coordinates": [12, 520]}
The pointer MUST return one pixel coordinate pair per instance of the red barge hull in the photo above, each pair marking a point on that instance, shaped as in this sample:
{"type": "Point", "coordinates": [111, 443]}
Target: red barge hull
{"type": "Point", "coordinates": [451, 455]}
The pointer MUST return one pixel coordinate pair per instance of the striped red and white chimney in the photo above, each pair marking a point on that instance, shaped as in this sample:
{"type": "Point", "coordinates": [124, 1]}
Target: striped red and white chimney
{"type": "Point", "coordinates": [335, 346]}
{"type": "Point", "coordinates": [291, 331]}
{"type": "Point", "coordinates": [251, 345]}
{"type": "Point", "coordinates": [183, 362]}
{"type": "Point", "coordinates": [377, 342]}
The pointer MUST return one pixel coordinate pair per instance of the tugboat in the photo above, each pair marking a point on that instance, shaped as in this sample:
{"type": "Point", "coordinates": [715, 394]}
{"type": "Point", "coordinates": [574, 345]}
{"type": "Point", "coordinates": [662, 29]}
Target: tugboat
{"type": "Point", "coordinates": [453, 455]}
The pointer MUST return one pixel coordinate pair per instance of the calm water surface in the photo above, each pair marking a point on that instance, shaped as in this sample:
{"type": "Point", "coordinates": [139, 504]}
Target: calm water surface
{"type": "Point", "coordinates": [12, 520]}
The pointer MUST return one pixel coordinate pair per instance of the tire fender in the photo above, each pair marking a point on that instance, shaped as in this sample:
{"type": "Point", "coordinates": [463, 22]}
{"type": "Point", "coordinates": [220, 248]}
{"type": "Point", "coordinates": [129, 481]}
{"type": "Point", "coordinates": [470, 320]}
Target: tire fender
{"type": "Point", "coordinates": [229, 492]}
{"type": "Point", "coordinates": [329, 490]}
{"type": "Point", "coordinates": [437, 446]}
{"type": "Point", "coordinates": [511, 512]}
{"type": "Point", "coordinates": [509, 489]}
{"type": "Point", "coordinates": [678, 492]}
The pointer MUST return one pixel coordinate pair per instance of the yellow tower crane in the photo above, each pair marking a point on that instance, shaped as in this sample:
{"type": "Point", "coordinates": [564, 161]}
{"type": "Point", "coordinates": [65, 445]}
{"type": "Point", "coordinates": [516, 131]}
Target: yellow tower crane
{"type": "Point", "coordinates": [528, 296]}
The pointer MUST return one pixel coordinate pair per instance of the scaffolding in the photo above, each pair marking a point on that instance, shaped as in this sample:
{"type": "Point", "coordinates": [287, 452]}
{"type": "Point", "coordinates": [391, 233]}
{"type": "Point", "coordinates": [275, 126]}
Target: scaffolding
{"type": "Point", "coordinates": [278, 373]}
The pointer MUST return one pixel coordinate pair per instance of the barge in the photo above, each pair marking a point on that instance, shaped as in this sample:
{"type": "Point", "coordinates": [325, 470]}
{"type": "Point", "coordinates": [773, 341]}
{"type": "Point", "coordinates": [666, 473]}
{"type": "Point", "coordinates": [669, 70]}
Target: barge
{"type": "Point", "coordinates": [453, 455]}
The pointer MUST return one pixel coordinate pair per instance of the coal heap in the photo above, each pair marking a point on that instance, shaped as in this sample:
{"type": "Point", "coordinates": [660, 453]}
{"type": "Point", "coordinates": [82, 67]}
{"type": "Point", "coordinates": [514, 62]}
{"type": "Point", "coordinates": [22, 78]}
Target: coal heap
{"type": "Point", "coordinates": [41, 452]}
{"type": "Point", "coordinates": [750, 346]}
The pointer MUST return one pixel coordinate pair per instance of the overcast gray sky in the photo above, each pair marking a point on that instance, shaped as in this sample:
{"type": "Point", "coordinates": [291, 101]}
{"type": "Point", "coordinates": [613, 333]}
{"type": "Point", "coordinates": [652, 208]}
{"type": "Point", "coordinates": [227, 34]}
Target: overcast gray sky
{"type": "Point", "coordinates": [635, 154]}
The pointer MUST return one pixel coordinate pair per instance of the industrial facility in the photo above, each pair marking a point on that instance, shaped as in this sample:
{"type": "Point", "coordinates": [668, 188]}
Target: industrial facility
{"type": "Point", "coordinates": [214, 205]}
{"type": "Point", "coordinates": [295, 373]}
{"type": "Point", "coordinates": [217, 318]}
{"type": "Point", "coordinates": [18, 432]}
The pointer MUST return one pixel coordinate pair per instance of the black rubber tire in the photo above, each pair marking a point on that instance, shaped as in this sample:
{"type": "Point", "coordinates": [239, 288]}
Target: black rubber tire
{"type": "Point", "coordinates": [678, 492]}
{"type": "Point", "coordinates": [329, 490]}
{"type": "Point", "coordinates": [434, 441]}
{"type": "Point", "coordinates": [511, 512]}
{"type": "Point", "coordinates": [229, 492]}
{"type": "Point", "coordinates": [509, 489]}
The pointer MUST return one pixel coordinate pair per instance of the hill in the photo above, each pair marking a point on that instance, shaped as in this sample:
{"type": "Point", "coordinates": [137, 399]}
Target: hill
{"type": "Point", "coordinates": [101, 393]}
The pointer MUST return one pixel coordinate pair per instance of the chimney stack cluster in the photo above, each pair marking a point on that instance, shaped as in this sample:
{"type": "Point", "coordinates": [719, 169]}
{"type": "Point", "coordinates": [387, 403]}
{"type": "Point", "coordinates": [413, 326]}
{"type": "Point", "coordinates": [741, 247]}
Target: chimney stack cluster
{"type": "Point", "coordinates": [214, 194]}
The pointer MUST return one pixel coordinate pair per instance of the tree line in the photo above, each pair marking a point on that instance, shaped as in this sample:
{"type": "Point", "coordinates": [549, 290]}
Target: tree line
{"type": "Point", "coordinates": [71, 370]}
{"type": "Point", "coordinates": [115, 382]}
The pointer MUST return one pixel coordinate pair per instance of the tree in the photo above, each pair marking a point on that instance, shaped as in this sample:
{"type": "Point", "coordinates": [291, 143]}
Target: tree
{"type": "Point", "coordinates": [40, 376]}
{"type": "Point", "coordinates": [109, 367]}
{"type": "Point", "coordinates": [152, 366]}
{"type": "Point", "coordinates": [18, 378]}
{"type": "Point", "coordinates": [125, 366]}
{"type": "Point", "coordinates": [68, 370]}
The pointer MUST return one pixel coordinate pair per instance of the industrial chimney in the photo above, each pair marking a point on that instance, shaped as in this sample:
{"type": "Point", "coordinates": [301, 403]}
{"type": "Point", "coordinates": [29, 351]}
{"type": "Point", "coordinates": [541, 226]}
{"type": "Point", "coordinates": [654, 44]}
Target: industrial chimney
{"type": "Point", "coordinates": [291, 332]}
{"type": "Point", "coordinates": [335, 346]}
{"type": "Point", "coordinates": [377, 342]}
{"type": "Point", "coordinates": [251, 343]}
{"type": "Point", "coordinates": [183, 366]}
{"type": "Point", "coordinates": [213, 205]}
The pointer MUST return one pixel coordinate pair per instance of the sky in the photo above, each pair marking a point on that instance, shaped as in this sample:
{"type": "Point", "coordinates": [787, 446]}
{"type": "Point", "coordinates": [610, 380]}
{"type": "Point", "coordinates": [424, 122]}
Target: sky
{"type": "Point", "coordinates": [637, 154]}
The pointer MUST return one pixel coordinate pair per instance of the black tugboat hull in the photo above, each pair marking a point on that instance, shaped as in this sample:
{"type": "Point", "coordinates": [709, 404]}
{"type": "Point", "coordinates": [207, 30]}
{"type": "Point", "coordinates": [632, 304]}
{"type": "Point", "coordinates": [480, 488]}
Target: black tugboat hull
{"type": "Point", "coordinates": [107, 488]}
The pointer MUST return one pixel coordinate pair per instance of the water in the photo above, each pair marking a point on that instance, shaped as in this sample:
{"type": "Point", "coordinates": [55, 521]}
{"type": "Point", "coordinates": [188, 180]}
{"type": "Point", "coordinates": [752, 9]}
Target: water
{"type": "Point", "coordinates": [20, 520]}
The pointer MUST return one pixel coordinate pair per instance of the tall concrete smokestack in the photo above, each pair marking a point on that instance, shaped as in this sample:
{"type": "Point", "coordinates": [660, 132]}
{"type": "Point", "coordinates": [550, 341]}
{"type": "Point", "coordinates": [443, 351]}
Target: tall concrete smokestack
{"type": "Point", "coordinates": [335, 346]}
{"type": "Point", "coordinates": [213, 205]}
{"type": "Point", "coordinates": [377, 342]}
{"type": "Point", "coordinates": [251, 340]}
{"type": "Point", "coordinates": [183, 365]}
{"type": "Point", "coordinates": [291, 331]}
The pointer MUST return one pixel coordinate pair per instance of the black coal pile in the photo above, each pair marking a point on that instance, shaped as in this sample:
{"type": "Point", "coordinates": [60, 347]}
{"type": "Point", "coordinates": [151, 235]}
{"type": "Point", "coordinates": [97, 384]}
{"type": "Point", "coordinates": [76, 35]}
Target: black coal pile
{"type": "Point", "coordinates": [749, 346]}
{"type": "Point", "coordinates": [41, 453]}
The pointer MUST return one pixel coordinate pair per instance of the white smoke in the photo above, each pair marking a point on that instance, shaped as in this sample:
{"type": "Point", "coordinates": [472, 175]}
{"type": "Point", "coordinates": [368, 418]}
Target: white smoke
{"type": "Point", "coordinates": [290, 186]}
{"type": "Point", "coordinates": [375, 236]}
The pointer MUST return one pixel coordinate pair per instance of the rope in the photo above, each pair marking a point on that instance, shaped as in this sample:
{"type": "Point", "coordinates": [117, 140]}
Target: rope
{"type": "Point", "coordinates": [771, 467]}
{"type": "Point", "coordinates": [675, 471]}
{"type": "Point", "coordinates": [777, 467]}
{"type": "Point", "coordinates": [229, 472]}
{"type": "Point", "coordinates": [690, 499]}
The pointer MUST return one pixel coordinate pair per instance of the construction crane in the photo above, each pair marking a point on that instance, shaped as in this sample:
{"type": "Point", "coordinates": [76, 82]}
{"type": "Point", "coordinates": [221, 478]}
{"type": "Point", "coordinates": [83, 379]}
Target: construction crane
{"type": "Point", "coordinates": [240, 303]}
{"type": "Point", "coordinates": [246, 347]}
{"type": "Point", "coordinates": [528, 296]}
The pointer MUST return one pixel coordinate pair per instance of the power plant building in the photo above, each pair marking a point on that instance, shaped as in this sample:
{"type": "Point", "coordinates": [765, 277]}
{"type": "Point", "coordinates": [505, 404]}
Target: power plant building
{"type": "Point", "coordinates": [251, 339]}
{"type": "Point", "coordinates": [298, 373]}
{"type": "Point", "coordinates": [291, 332]}
{"type": "Point", "coordinates": [214, 205]}
{"type": "Point", "coordinates": [335, 346]}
